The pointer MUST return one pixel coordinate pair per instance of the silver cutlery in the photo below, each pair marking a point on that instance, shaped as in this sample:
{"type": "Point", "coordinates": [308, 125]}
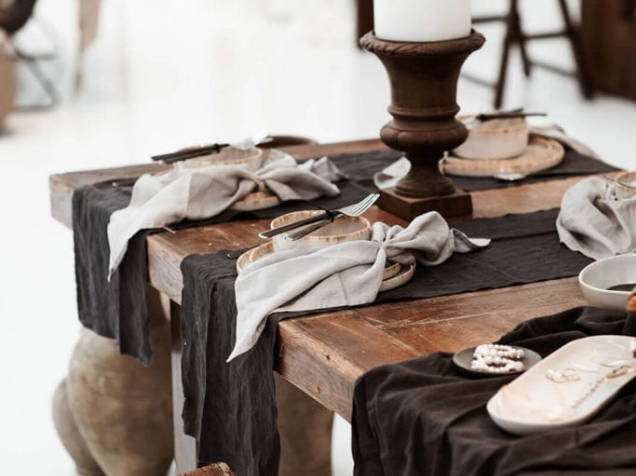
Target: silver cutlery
{"type": "Point", "coordinates": [354, 210]}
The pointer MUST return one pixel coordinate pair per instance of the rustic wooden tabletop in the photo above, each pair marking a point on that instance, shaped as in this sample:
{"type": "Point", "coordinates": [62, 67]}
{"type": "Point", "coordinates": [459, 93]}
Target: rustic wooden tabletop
{"type": "Point", "coordinates": [324, 354]}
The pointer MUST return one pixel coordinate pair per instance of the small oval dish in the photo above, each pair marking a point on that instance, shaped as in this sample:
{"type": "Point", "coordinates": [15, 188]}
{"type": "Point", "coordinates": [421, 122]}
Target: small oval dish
{"type": "Point", "coordinates": [495, 140]}
{"type": "Point", "coordinates": [464, 358]}
{"type": "Point", "coordinates": [342, 229]}
{"type": "Point", "coordinates": [597, 278]}
{"type": "Point", "coordinates": [566, 388]}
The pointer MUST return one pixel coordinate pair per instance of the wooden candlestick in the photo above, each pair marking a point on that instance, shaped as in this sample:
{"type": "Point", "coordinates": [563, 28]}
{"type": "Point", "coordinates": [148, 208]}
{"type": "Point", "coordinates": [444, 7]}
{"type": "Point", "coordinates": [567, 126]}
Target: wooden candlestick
{"type": "Point", "coordinates": [424, 80]}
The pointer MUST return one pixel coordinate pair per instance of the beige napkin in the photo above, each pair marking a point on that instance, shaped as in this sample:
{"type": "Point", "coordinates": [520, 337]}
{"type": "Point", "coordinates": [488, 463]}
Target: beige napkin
{"type": "Point", "coordinates": [346, 274]}
{"type": "Point", "coordinates": [598, 218]}
{"type": "Point", "coordinates": [196, 194]}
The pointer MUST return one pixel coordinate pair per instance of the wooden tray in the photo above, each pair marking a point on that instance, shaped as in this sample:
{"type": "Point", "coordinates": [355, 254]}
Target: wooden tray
{"type": "Point", "coordinates": [541, 154]}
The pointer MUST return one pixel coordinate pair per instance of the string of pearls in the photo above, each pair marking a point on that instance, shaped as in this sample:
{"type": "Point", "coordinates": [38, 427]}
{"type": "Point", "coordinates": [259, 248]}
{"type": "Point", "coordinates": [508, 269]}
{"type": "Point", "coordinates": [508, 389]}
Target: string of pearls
{"type": "Point", "coordinates": [498, 359]}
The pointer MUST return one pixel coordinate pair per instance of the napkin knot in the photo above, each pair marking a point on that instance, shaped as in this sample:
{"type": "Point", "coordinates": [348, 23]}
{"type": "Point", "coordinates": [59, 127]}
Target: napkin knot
{"type": "Point", "coordinates": [598, 218]}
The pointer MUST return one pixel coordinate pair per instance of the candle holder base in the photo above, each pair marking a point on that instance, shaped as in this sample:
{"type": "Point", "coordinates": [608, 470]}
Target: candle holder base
{"type": "Point", "coordinates": [458, 204]}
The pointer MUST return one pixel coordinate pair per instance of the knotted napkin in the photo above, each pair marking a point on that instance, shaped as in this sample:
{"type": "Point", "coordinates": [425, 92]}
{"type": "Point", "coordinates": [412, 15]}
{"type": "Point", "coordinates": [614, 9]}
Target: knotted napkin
{"type": "Point", "coordinates": [598, 218]}
{"type": "Point", "coordinates": [342, 275]}
{"type": "Point", "coordinates": [199, 193]}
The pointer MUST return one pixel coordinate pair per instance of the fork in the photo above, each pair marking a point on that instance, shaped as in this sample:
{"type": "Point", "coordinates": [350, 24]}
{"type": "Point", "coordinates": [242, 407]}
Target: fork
{"type": "Point", "coordinates": [354, 210]}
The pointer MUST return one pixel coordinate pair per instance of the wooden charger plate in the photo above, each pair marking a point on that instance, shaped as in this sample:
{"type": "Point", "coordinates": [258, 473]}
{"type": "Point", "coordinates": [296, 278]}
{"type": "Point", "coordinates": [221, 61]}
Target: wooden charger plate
{"type": "Point", "coordinates": [541, 154]}
{"type": "Point", "coordinates": [395, 274]}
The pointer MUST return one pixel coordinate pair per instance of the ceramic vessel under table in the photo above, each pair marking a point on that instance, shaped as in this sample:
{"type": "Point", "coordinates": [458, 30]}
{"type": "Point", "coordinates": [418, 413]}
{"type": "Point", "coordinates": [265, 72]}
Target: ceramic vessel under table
{"type": "Point", "coordinates": [533, 403]}
{"type": "Point", "coordinates": [341, 230]}
{"type": "Point", "coordinates": [596, 278]}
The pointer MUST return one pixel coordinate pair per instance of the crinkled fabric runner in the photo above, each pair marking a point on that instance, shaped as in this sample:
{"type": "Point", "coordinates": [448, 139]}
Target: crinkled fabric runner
{"type": "Point", "coordinates": [230, 408]}
{"type": "Point", "coordinates": [422, 418]}
{"type": "Point", "coordinates": [117, 309]}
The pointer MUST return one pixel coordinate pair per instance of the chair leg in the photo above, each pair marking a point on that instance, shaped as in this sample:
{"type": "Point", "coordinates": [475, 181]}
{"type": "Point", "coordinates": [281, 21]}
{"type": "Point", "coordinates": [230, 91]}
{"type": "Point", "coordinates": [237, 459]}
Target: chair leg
{"type": "Point", "coordinates": [575, 42]}
{"type": "Point", "coordinates": [500, 87]}
{"type": "Point", "coordinates": [520, 37]}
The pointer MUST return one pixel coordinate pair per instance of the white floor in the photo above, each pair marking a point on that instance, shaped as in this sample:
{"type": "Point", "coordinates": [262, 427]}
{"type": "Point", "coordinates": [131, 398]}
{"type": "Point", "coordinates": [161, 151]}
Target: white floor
{"type": "Point", "coordinates": [169, 73]}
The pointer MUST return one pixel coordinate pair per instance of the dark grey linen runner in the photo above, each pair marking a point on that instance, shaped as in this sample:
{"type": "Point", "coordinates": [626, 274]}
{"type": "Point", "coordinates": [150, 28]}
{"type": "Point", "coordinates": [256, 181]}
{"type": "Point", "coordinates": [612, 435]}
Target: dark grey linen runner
{"type": "Point", "coordinates": [422, 418]}
{"type": "Point", "coordinates": [230, 407]}
{"type": "Point", "coordinates": [118, 309]}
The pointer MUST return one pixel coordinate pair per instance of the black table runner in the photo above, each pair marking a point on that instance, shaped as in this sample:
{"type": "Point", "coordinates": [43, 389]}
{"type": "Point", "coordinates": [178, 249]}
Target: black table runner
{"type": "Point", "coordinates": [117, 309]}
{"type": "Point", "coordinates": [422, 418]}
{"type": "Point", "coordinates": [230, 408]}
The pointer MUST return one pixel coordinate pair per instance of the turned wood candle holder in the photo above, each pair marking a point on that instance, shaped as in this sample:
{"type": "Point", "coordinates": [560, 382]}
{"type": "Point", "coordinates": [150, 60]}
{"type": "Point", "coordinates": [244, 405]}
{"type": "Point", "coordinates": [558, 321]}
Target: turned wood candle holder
{"type": "Point", "coordinates": [424, 80]}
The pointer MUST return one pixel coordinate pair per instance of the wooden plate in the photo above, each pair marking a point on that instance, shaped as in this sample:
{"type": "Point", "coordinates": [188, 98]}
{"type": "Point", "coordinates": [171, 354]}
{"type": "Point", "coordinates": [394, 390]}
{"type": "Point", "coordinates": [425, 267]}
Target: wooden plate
{"type": "Point", "coordinates": [541, 154]}
{"type": "Point", "coordinates": [257, 201]}
{"type": "Point", "coordinates": [395, 275]}
{"type": "Point", "coordinates": [463, 362]}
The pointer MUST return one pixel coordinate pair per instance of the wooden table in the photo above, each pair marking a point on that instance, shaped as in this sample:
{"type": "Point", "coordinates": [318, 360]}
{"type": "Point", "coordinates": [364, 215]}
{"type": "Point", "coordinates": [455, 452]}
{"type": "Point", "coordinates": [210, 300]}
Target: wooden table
{"type": "Point", "coordinates": [324, 354]}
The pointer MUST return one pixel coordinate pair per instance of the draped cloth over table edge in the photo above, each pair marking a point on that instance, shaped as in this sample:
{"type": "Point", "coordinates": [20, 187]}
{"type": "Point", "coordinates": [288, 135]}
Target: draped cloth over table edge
{"type": "Point", "coordinates": [422, 418]}
{"type": "Point", "coordinates": [345, 274]}
{"type": "Point", "coordinates": [526, 249]}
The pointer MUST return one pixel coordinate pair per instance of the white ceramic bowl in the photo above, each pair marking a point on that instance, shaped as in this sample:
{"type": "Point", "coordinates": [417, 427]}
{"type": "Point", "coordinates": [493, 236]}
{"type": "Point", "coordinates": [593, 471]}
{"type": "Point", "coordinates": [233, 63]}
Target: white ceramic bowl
{"type": "Point", "coordinates": [341, 230]}
{"type": "Point", "coordinates": [252, 158]}
{"type": "Point", "coordinates": [596, 278]}
{"type": "Point", "coordinates": [496, 139]}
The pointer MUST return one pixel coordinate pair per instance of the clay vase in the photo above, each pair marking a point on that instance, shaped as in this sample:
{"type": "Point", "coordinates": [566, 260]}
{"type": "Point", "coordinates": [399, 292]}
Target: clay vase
{"type": "Point", "coordinates": [305, 432]}
{"type": "Point", "coordinates": [7, 82]}
{"type": "Point", "coordinates": [123, 409]}
{"type": "Point", "coordinates": [71, 438]}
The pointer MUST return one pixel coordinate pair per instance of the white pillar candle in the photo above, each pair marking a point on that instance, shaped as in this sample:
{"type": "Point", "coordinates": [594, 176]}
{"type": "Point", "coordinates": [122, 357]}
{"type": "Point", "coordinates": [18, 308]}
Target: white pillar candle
{"type": "Point", "coordinates": [422, 20]}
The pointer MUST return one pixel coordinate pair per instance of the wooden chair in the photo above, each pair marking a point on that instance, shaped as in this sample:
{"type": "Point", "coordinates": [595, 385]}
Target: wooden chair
{"type": "Point", "coordinates": [218, 469]}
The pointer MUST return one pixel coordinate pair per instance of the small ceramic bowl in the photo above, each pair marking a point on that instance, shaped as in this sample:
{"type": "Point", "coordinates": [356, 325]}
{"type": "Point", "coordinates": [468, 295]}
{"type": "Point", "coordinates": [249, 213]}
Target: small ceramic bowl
{"type": "Point", "coordinates": [342, 229]}
{"type": "Point", "coordinates": [252, 158]}
{"type": "Point", "coordinates": [596, 279]}
{"type": "Point", "coordinates": [496, 139]}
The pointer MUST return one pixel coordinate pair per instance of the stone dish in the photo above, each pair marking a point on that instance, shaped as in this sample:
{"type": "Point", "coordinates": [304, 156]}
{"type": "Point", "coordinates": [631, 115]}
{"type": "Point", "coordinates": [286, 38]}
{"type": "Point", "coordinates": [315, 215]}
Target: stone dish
{"type": "Point", "coordinates": [463, 362]}
{"type": "Point", "coordinates": [566, 388]}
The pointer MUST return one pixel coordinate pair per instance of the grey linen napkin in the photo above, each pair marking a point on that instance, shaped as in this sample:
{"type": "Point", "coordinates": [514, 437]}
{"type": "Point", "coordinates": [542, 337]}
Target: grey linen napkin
{"type": "Point", "coordinates": [390, 176]}
{"type": "Point", "coordinates": [598, 218]}
{"type": "Point", "coordinates": [199, 193]}
{"type": "Point", "coordinates": [346, 274]}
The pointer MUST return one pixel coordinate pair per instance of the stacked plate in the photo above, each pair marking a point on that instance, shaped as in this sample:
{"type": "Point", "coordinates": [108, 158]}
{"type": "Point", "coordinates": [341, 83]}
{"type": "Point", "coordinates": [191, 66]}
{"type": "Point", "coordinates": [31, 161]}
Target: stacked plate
{"type": "Point", "coordinates": [502, 148]}
{"type": "Point", "coordinates": [341, 230]}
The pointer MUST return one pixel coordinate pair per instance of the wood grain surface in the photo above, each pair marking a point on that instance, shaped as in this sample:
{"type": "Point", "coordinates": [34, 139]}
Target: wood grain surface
{"type": "Point", "coordinates": [324, 354]}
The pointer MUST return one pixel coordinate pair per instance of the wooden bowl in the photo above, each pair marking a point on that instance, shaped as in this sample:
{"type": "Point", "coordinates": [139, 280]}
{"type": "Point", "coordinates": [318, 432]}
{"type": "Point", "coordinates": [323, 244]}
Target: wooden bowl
{"type": "Point", "coordinates": [342, 229]}
{"type": "Point", "coordinates": [628, 190]}
{"type": "Point", "coordinates": [252, 158]}
{"type": "Point", "coordinates": [494, 140]}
